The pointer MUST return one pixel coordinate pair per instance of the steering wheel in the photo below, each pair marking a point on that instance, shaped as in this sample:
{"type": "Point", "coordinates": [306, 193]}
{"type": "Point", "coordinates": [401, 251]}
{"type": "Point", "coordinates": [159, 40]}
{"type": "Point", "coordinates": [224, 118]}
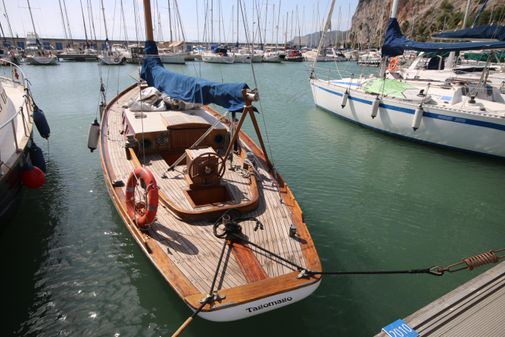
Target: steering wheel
{"type": "Point", "coordinates": [204, 169]}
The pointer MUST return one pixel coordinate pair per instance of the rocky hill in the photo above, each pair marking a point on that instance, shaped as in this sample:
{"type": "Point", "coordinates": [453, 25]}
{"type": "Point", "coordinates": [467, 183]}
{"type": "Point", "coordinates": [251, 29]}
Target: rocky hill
{"type": "Point", "coordinates": [418, 18]}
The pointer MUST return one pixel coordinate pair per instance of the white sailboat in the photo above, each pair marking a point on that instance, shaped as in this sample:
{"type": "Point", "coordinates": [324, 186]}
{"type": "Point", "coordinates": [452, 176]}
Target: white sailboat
{"type": "Point", "coordinates": [110, 55]}
{"type": "Point", "coordinates": [21, 161]}
{"type": "Point", "coordinates": [465, 116]}
{"type": "Point", "coordinates": [35, 52]}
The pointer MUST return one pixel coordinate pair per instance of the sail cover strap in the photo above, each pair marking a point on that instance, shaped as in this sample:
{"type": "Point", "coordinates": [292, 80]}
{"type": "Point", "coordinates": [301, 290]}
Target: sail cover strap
{"type": "Point", "coordinates": [395, 43]}
{"type": "Point", "coordinates": [187, 88]}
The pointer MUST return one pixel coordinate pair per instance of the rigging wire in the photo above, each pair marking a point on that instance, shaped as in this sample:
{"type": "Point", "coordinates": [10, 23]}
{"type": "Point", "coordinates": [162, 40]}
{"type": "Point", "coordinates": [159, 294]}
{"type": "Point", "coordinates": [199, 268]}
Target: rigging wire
{"type": "Point", "coordinates": [246, 33]}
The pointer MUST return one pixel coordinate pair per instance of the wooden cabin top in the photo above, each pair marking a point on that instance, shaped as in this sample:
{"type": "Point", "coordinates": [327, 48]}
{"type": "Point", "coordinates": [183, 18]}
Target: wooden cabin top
{"type": "Point", "coordinates": [158, 121]}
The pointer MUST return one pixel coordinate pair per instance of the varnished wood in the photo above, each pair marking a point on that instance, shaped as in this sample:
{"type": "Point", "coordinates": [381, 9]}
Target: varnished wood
{"type": "Point", "coordinates": [183, 247]}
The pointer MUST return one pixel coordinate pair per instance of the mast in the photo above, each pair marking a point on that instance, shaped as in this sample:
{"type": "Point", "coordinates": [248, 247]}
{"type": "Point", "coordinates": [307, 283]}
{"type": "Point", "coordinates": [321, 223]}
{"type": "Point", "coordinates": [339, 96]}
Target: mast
{"type": "Point", "coordinates": [170, 22]}
{"type": "Point", "coordinates": [178, 14]}
{"type": "Point", "coordinates": [84, 23]}
{"type": "Point", "coordinates": [394, 12]}
{"type": "Point", "coordinates": [326, 27]}
{"type": "Point", "coordinates": [63, 21]}
{"type": "Point", "coordinates": [124, 22]}
{"type": "Point", "coordinates": [31, 17]}
{"type": "Point", "coordinates": [104, 21]}
{"type": "Point", "coordinates": [68, 23]}
{"type": "Point", "coordinates": [9, 24]}
{"type": "Point", "coordinates": [466, 13]}
{"type": "Point", "coordinates": [148, 21]}
{"type": "Point", "coordinates": [278, 23]}
{"type": "Point", "coordinates": [238, 22]}
{"type": "Point", "coordinates": [265, 28]}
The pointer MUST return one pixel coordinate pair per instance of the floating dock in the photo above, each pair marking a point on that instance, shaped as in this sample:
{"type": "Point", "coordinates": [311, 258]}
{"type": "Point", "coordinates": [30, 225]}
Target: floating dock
{"type": "Point", "coordinates": [476, 308]}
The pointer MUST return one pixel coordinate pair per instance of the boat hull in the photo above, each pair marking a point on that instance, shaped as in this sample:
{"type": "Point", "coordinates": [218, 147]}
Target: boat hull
{"type": "Point", "coordinates": [259, 306]}
{"type": "Point", "coordinates": [439, 126]}
{"type": "Point", "coordinates": [10, 187]}
{"type": "Point", "coordinates": [42, 60]}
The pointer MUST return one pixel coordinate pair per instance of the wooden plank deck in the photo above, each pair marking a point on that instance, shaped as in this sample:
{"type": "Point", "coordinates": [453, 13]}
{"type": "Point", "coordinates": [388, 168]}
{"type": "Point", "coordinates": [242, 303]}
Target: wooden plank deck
{"type": "Point", "coordinates": [476, 308]}
{"type": "Point", "coordinates": [192, 247]}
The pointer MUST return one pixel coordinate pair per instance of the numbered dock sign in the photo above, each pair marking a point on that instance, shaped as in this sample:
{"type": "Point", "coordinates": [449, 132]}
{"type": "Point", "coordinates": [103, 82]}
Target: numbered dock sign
{"type": "Point", "coordinates": [399, 329]}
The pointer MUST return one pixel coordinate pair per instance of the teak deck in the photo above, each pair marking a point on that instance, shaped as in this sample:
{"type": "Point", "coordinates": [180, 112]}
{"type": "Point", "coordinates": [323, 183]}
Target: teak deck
{"type": "Point", "coordinates": [186, 252]}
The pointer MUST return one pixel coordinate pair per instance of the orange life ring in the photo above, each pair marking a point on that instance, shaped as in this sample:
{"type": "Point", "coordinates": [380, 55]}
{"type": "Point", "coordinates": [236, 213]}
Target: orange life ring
{"type": "Point", "coordinates": [393, 64]}
{"type": "Point", "coordinates": [142, 213]}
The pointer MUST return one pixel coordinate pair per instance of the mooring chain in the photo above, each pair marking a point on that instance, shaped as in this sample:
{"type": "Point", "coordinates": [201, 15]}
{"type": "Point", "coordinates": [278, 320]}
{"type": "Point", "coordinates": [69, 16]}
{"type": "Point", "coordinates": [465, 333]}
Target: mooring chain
{"type": "Point", "coordinates": [228, 227]}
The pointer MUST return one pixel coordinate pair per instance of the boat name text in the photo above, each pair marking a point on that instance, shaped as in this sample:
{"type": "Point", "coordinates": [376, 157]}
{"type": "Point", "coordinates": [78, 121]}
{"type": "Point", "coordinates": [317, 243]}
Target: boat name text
{"type": "Point", "coordinates": [270, 304]}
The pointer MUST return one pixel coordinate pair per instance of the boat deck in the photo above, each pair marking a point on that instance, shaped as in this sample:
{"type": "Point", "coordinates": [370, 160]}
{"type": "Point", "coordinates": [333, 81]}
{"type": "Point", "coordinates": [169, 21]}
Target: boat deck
{"type": "Point", "coordinates": [477, 308]}
{"type": "Point", "coordinates": [188, 250]}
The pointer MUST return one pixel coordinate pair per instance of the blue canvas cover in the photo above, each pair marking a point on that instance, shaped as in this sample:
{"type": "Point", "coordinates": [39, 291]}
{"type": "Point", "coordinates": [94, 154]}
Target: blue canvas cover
{"type": "Point", "coordinates": [187, 88]}
{"type": "Point", "coordinates": [395, 43]}
{"type": "Point", "coordinates": [496, 32]}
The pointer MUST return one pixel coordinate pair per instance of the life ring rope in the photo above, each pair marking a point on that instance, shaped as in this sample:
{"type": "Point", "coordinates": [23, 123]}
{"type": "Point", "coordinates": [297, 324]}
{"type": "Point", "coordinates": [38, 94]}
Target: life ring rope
{"type": "Point", "coordinates": [143, 214]}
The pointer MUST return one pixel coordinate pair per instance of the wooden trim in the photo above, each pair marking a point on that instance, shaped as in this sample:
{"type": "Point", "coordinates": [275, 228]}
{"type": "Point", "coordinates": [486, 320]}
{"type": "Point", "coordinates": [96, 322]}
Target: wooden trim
{"type": "Point", "coordinates": [308, 246]}
{"type": "Point", "coordinates": [182, 286]}
{"type": "Point", "coordinates": [254, 291]}
{"type": "Point", "coordinates": [248, 263]}
{"type": "Point", "coordinates": [205, 213]}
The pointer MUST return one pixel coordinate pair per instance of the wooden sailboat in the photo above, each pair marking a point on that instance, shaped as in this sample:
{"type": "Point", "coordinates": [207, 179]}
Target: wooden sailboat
{"type": "Point", "coordinates": [202, 200]}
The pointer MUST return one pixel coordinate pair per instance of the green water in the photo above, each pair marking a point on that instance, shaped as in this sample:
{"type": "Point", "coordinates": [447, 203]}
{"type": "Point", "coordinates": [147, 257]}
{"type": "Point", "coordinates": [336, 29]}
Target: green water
{"type": "Point", "coordinates": [70, 268]}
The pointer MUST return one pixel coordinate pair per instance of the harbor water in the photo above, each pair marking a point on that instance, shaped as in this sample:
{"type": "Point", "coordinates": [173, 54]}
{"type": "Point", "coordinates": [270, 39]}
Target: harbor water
{"type": "Point", "coordinates": [371, 202]}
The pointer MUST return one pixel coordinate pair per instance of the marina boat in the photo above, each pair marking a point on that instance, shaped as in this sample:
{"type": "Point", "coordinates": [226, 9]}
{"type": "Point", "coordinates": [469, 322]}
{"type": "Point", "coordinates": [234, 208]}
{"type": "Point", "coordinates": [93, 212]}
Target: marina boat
{"type": "Point", "coordinates": [201, 199]}
{"type": "Point", "coordinates": [272, 56]}
{"type": "Point", "coordinates": [369, 58]}
{"type": "Point", "coordinates": [21, 161]}
{"type": "Point", "coordinates": [36, 54]}
{"type": "Point", "coordinates": [293, 55]}
{"type": "Point", "coordinates": [461, 115]}
{"type": "Point", "coordinates": [170, 57]}
{"type": "Point", "coordinates": [218, 55]}
{"type": "Point", "coordinates": [86, 55]}
{"type": "Point", "coordinates": [172, 52]}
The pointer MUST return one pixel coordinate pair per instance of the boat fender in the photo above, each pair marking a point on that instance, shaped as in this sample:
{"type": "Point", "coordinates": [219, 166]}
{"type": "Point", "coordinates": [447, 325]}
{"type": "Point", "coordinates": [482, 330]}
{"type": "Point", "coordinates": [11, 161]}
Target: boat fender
{"type": "Point", "coordinates": [41, 122]}
{"type": "Point", "coordinates": [116, 60]}
{"type": "Point", "coordinates": [32, 176]}
{"type": "Point", "coordinates": [344, 99]}
{"type": "Point", "coordinates": [375, 106]}
{"type": "Point", "coordinates": [37, 157]}
{"type": "Point", "coordinates": [418, 115]}
{"type": "Point", "coordinates": [143, 214]}
{"type": "Point", "coordinates": [94, 132]}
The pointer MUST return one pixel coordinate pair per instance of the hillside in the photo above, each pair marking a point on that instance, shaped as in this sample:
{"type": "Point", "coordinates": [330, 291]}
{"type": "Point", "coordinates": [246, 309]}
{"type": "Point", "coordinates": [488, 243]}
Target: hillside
{"type": "Point", "coordinates": [418, 18]}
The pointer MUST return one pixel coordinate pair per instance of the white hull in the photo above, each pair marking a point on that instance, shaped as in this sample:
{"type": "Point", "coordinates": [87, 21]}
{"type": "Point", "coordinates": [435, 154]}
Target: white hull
{"type": "Point", "coordinates": [213, 58]}
{"type": "Point", "coordinates": [111, 59]}
{"type": "Point", "coordinates": [173, 58]}
{"type": "Point", "coordinates": [471, 131]}
{"type": "Point", "coordinates": [42, 60]}
{"type": "Point", "coordinates": [236, 312]}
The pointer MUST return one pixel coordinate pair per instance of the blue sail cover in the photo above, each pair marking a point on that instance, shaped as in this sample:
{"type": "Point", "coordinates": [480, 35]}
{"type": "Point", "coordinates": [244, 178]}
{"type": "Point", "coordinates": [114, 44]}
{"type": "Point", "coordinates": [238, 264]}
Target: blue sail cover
{"type": "Point", "coordinates": [187, 88]}
{"type": "Point", "coordinates": [395, 43]}
{"type": "Point", "coordinates": [495, 32]}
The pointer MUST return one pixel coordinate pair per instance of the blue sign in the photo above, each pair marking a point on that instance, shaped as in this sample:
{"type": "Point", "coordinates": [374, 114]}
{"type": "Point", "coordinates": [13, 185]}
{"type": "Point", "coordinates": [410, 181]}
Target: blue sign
{"type": "Point", "coordinates": [399, 329]}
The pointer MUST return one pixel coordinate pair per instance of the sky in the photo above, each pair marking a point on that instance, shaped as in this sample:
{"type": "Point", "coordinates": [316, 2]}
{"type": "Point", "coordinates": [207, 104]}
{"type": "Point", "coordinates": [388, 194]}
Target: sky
{"type": "Point", "coordinates": [195, 16]}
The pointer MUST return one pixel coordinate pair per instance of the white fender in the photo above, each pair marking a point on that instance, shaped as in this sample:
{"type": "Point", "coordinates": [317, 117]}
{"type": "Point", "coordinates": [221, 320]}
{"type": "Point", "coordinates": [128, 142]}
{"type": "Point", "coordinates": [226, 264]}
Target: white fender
{"type": "Point", "coordinates": [418, 115]}
{"type": "Point", "coordinates": [94, 131]}
{"type": "Point", "coordinates": [375, 106]}
{"type": "Point", "coordinates": [344, 99]}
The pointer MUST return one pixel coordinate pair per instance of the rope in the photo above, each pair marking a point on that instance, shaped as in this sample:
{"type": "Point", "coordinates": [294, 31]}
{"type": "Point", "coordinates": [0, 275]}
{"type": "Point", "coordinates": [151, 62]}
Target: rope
{"type": "Point", "coordinates": [233, 231]}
